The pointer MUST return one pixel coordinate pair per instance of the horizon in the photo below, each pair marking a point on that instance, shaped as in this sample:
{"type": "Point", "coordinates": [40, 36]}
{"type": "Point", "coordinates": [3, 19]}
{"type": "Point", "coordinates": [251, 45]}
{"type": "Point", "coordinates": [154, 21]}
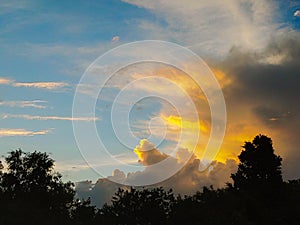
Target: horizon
{"type": "Point", "coordinates": [251, 51]}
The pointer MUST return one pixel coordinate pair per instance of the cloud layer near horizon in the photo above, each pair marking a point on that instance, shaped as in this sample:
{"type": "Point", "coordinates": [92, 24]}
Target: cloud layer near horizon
{"type": "Point", "coordinates": [187, 181]}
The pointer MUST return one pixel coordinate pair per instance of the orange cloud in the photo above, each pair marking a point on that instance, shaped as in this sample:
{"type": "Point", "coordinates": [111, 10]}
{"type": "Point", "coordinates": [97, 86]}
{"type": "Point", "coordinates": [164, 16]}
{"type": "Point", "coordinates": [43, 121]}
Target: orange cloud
{"type": "Point", "coordinates": [148, 154]}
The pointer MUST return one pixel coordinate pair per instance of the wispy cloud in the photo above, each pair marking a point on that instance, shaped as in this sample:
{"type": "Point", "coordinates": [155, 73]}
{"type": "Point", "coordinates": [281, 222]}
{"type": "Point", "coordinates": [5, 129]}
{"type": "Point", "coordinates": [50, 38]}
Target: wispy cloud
{"type": "Point", "coordinates": [31, 117]}
{"type": "Point", "coordinates": [5, 80]}
{"type": "Point", "coordinates": [40, 85]}
{"type": "Point", "coordinates": [22, 104]}
{"type": "Point", "coordinates": [22, 132]}
{"type": "Point", "coordinates": [200, 24]}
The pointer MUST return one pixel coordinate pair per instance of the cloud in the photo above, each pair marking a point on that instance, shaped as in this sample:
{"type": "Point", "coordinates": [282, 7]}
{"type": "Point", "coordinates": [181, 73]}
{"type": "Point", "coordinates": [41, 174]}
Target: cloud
{"type": "Point", "coordinates": [5, 80]}
{"type": "Point", "coordinates": [101, 192]}
{"type": "Point", "coordinates": [22, 132]}
{"type": "Point", "coordinates": [22, 104]}
{"type": "Point", "coordinates": [42, 85]}
{"type": "Point", "coordinates": [263, 97]}
{"type": "Point", "coordinates": [212, 27]}
{"type": "Point", "coordinates": [297, 13]}
{"type": "Point", "coordinates": [187, 181]}
{"type": "Point", "coordinates": [115, 39]}
{"type": "Point", "coordinates": [147, 153]}
{"type": "Point", "coordinates": [30, 117]}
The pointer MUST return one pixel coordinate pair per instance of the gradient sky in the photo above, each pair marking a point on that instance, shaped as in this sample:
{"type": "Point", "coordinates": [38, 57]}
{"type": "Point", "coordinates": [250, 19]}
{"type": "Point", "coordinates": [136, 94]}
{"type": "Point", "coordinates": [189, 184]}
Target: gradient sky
{"type": "Point", "coordinates": [253, 47]}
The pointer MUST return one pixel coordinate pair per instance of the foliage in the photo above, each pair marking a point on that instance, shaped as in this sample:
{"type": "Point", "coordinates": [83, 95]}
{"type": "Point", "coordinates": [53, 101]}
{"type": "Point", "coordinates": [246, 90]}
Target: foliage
{"type": "Point", "coordinates": [259, 166]}
{"type": "Point", "coordinates": [139, 207]}
{"type": "Point", "coordinates": [31, 192]}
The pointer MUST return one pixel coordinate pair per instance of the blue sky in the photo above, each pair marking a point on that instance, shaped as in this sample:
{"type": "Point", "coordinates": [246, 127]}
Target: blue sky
{"type": "Point", "coordinates": [45, 47]}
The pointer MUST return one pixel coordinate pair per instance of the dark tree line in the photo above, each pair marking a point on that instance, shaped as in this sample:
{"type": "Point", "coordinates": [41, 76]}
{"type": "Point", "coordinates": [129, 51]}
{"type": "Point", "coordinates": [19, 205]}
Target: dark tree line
{"type": "Point", "coordinates": [32, 193]}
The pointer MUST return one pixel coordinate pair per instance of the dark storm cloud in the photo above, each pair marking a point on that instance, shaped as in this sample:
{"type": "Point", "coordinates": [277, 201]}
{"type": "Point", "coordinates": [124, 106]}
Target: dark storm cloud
{"type": "Point", "coordinates": [267, 84]}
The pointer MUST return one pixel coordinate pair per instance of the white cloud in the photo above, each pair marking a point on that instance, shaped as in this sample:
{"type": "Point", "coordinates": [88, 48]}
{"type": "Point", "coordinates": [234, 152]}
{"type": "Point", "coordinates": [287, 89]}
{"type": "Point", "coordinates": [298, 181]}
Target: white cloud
{"type": "Point", "coordinates": [21, 132]}
{"type": "Point", "coordinates": [30, 117]}
{"type": "Point", "coordinates": [22, 104]}
{"type": "Point", "coordinates": [297, 13]}
{"type": "Point", "coordinates": [212, 27]}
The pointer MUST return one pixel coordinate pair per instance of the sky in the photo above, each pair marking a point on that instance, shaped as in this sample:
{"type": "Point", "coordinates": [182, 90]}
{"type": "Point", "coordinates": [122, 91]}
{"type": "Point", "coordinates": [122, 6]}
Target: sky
{"type": "Point", "coordinates": [251, 47]}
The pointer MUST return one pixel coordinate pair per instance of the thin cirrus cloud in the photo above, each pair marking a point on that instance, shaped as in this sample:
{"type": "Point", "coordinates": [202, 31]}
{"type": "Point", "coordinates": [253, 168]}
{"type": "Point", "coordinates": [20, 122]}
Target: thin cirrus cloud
{"type": "Point", "coordinates": [22, 132]}
{"type": "Point", "coordinates": [39, 85]}
{"type": "Point", "coordinates": [31, 117]}
{"type": "Point", "coordinates": [38, 104]}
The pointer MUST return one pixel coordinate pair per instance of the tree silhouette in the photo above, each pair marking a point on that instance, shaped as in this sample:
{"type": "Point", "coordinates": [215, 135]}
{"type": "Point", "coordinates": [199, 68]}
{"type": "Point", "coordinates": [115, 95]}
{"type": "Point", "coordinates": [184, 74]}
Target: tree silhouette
{"type": "Point", "coordinates": [32, 193]}
{"type": "Point", "coordinates": [259, 166]}
{"type": "Point", "coordinates": [145, 206]}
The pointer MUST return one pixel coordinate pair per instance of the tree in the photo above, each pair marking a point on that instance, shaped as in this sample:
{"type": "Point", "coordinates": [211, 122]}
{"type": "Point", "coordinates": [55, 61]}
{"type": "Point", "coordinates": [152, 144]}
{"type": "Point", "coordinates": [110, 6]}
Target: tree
{"type": "Point", "coordinates": [32, 193]}
{"type": "Point", "coordinates": [259, 167]}
{"type": "Point", "coordinates": [133, 206]}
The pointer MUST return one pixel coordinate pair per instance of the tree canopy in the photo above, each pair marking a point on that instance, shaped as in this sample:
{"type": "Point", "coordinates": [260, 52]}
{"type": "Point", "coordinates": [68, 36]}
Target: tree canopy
{"type": "Point", "coordinates": [31, 193]}
{"type": "Point", "coordinates": [260, 167]}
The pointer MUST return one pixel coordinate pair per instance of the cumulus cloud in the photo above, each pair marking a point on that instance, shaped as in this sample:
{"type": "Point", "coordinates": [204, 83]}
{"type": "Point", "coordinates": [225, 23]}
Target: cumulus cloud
{"type": "Point", "coordinates": [147, 153]}
{"type": "Point", "coordinates": [21, 132]}
{"type": "Point", "coordinates": [31, 117]}
{"type": "Point", "coordinates": [262, 94]}
{"type": "Point", "coordinates": [187, 181]}
{"type": "Point", "coordinates": [34, 104]}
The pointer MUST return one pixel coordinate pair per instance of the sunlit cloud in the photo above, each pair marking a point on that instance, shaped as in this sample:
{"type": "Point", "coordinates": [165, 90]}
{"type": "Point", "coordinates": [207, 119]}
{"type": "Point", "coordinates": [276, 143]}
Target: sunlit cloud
{"type": "Point", "coordinates": [147, 153]}
{"type": "Point", "coordinates": [22, 132]}
{"type": "Point", "coordinates": [39, 85]}
{"type": "Point", "coordinates": [5, 81]}
{"type": "Point", "coordinates": [42, 85]}
{"type": "Point", "coordinates": [31, 117]}
{"type": "Point", "coordinates": [24, 104]}
{"type": "Point", "coordinates": [186, 181]}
